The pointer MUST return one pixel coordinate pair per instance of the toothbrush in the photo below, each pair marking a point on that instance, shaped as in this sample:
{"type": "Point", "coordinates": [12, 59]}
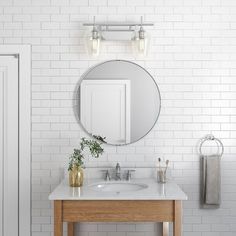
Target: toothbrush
{"type": "Point", "coordinates": [167, 163]}
{"type": "Point", "coordinates": [159, 163]}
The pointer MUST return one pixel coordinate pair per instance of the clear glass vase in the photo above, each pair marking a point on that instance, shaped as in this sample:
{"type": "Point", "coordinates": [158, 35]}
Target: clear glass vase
{"type": "Point", "coordinates": [161, 175]}
{"type": "Point", "coordinates": [76, 176]}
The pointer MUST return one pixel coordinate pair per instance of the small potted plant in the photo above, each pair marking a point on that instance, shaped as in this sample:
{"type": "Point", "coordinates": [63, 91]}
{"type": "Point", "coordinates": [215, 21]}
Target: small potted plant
{"type": "Point", "coordinates": [76, 159]}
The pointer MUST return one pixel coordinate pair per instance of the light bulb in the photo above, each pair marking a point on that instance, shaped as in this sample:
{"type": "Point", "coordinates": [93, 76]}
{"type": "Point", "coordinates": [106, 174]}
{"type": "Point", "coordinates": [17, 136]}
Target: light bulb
{"type": "Point", "coordinates": [142, 46]}
{"type": "Point", "coordinates": [94, 46]}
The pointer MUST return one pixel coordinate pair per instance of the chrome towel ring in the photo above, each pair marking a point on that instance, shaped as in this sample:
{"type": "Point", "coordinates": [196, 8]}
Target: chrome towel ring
{"type": "Point", "coordinates": [211, 138]}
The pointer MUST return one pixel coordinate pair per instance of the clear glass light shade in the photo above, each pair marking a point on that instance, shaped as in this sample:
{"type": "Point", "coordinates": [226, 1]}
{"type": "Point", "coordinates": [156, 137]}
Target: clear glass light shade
{"type": "Point", "coordinates": [93, 41]}
{"type": "Point", "coordinates": [94, 46]}
{"type": "Point", "coordinates": [141, 44]}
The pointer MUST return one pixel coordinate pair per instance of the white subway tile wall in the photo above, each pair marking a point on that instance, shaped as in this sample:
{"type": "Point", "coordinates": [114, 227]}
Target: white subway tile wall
{"type": "Point", "coordinates": [193, 60]}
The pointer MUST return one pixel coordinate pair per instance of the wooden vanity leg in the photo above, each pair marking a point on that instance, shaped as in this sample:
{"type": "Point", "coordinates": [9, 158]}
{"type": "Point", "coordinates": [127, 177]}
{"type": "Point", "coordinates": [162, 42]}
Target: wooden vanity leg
{"type": "Point", "coordinates": [177, 218]}
{"type": "Point", "coordinates": [165, 228]}
{"type": "Point", "coordinates": [58, 226]}
{"type": "Point", "coordinates": [70, 228]}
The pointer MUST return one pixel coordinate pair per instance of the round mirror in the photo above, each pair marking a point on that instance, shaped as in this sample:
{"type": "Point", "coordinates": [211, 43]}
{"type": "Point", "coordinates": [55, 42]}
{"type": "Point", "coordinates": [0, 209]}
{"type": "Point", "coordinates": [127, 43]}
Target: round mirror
{"type": "Point", "coordinates": [119, 102]}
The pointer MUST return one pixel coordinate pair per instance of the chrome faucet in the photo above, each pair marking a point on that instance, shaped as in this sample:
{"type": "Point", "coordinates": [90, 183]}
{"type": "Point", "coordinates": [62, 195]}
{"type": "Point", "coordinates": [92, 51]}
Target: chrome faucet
{"type": "Point", "coordinates": [118, 174]}
{"type": "Point", "coordinates": [128, 178]}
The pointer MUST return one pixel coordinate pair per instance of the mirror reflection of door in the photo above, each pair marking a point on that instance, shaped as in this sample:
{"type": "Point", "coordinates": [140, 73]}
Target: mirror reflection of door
{"type": "Point", "coordinates": [105, 109]}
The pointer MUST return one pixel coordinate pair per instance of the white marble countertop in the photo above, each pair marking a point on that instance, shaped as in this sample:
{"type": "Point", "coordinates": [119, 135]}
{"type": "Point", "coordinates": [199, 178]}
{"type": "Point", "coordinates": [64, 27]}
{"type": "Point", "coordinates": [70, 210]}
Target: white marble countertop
{"type": "Point", "coordinates": [154, 191]}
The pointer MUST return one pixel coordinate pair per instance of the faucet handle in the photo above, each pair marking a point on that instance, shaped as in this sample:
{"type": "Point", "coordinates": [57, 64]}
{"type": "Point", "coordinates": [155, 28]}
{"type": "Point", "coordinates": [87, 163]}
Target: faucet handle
{"type": "Point", "coordinates": [129, 175]}
{"type": "Point", "coordinates": [117, 168]}
{"type": "Point", "coordinates": [107, 175]}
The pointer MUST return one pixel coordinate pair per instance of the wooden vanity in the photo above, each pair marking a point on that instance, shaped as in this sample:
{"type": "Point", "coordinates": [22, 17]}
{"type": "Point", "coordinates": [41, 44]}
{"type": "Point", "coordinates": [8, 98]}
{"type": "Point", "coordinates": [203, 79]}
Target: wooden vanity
{"type": "Point", "coordinates": [117, 211]}
{"type": "Point", "coordinates": [77, 205]}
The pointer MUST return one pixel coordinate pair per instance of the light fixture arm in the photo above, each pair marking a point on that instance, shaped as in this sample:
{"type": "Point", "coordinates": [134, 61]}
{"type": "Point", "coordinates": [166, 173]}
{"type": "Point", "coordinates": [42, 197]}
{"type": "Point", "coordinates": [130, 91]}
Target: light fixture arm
{"type": "Point", "coordinates": [141, 30]}
{"type": "Point", "coordinates": [117, 26]}
{"type": "Point", "coordinates": [94, 31]}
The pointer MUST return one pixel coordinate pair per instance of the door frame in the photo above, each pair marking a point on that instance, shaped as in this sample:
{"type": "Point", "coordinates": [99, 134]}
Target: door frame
{"type": "Point", "coordinates": [23, 52]}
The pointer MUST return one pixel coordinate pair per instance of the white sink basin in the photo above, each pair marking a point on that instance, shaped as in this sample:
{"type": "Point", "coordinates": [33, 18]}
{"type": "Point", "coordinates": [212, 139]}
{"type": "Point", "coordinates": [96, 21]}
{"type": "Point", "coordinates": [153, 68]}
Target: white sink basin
{"type": "Point", "coordinates": [117, 187]}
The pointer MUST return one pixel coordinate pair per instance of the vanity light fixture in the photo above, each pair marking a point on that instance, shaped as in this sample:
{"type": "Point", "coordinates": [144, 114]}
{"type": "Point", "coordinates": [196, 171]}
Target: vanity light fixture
{"type": "Point", "coordinates": [94, 40]}
{"type": "Point", "coordinates": [119, 32]}
{"type": "Point", "coordinates": [141, 41]}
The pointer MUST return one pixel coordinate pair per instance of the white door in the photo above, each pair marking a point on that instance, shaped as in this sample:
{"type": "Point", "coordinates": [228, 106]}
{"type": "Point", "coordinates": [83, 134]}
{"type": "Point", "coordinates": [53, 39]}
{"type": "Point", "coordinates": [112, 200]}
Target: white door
{"type": "Point", "coordinates": [105, 109]}
{"type": "Point", "coordinates": [9, 189]}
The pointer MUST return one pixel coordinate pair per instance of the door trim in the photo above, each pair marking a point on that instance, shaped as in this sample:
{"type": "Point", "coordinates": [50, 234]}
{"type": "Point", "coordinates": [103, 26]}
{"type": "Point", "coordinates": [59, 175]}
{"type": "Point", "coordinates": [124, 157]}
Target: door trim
{"type": "Point", "coordinates": [24, 54]}
{"type": "Point", "coordinates": [84, 88]}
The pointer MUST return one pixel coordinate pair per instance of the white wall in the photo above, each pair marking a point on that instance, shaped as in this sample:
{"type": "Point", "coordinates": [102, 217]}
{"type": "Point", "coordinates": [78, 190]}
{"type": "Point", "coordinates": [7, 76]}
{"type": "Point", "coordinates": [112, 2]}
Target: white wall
{"type": "Point", "coordinates": [193, 59]}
